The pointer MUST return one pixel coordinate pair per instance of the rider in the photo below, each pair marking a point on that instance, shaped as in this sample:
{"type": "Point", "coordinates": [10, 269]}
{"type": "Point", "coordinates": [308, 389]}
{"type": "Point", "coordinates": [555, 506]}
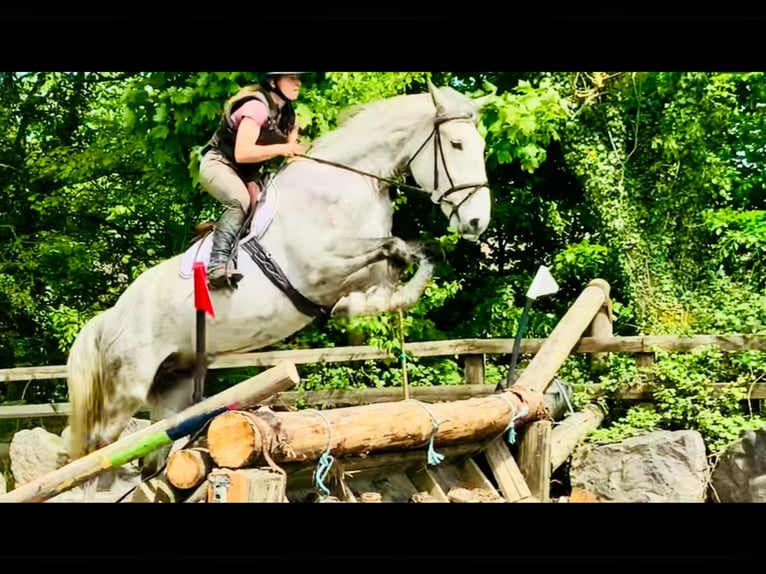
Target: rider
{"type": "Point", "coordinates": [258, 124]}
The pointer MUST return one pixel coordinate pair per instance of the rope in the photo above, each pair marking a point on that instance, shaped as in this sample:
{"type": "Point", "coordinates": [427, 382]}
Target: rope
{"type": "Point", "coordinates": [511, 428]}
{"type": "Point", "coordinates": [434, 457]}
{"type": "Point", "coordinates": [326, 460]}
{"type": "Point", "coordinates": [266, 433]}
{"type": "Point", "coordinates": [564, 394]}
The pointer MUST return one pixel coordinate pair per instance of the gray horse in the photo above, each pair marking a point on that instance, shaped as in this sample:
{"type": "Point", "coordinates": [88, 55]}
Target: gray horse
{"type": "Point", "coordinates": [320, 244]}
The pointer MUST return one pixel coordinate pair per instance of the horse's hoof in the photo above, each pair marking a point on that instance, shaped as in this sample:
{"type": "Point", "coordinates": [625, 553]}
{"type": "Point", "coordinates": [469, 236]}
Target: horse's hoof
{"type": "Point", "coordinates": [341, 309]}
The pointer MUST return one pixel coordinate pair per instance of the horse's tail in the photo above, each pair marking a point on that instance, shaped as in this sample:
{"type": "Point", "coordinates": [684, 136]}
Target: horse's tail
{"type": "Point", "coordinates": [85, 378]}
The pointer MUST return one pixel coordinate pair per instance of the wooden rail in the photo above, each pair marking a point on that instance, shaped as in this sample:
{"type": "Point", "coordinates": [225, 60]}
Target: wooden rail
{"type": "Point", "coordinates": [636, 344]}
{"type": "Point", "coordinates": [472, 350]}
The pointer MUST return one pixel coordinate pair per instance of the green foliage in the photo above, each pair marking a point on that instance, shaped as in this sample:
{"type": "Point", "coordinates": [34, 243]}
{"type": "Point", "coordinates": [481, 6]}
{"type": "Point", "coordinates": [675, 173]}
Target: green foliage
{"type": "Point", "coordinates": [520, 124]}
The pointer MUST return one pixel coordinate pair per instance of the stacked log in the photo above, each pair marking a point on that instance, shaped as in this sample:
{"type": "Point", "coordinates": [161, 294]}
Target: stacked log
{"type": "Point", "coordinates": [260, 439]}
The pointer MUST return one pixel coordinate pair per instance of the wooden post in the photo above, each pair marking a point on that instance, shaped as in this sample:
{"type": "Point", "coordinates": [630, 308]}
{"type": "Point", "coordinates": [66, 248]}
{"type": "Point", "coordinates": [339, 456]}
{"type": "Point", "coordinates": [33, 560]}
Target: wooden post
{"type": "Point", "coordinates": [161, 433]}
{"type": "Point", "coordinates": [246, 485]}
{"type": "Point", "coordinates": [509, 478]}
{"type": "Point", "coordinates": [473, 369]}
{"type": "Point", "coordinates": [600, 327]}
{"type": "Point", "coordinates": [556, 348]}
{"type": "Point", "coordinates": [535, 458]}
{"type": "Point", "coordinates": [571, 430]}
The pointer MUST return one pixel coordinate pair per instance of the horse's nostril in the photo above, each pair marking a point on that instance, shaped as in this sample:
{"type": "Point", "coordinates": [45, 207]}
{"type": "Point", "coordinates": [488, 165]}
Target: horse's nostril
{"type": "Point", "coordinates": [474, 223]}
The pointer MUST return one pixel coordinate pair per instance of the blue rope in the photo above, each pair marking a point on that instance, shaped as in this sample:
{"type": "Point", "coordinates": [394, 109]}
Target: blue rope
{"type": "Point", "coordinates": [325, 461]}
{"type": "Point", "coordinates": [434, 457]}
{"type": "Point", "coordinates": [511, 428]}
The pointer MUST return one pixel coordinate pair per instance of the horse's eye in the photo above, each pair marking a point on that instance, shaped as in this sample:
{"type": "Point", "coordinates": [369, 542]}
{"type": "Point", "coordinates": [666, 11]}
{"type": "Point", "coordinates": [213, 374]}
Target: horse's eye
{"type": "Point", "coordinates": [457, 144]}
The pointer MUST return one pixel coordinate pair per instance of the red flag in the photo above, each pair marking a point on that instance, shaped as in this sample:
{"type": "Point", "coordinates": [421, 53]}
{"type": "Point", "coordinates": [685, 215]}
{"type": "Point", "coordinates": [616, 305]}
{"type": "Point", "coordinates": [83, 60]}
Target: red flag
{"type": "Point", "coordinates": [202, 300]}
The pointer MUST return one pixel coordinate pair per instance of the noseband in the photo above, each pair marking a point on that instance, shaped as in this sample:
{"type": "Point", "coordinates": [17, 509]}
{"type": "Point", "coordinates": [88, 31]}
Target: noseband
{"type": "Point", "coordinates": [436, 196]}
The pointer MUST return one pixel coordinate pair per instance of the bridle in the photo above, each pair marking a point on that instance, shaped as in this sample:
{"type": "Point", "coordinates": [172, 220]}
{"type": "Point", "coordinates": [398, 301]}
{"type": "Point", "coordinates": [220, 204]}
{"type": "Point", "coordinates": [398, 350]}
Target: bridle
{"type": "Point", "coordinates": [437, 197]}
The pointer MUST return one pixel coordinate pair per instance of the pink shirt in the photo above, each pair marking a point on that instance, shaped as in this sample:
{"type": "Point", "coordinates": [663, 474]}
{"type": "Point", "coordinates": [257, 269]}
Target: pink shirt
{"type": "Point", "coordinates": [254, 109]}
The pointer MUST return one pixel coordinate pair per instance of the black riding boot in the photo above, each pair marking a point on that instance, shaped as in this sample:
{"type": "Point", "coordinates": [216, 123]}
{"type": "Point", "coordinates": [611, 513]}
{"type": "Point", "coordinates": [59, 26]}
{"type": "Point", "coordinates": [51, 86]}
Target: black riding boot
{"type": "Point", "coordinates": [225, 233]}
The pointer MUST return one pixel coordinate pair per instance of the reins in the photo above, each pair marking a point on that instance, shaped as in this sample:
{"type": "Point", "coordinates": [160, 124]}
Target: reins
{"type": "Point", "coordinates": [438, 152]}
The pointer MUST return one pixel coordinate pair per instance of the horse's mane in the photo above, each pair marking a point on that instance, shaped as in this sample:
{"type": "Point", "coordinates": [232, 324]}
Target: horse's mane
{"type": "Point", "coordinates": [401, 112]}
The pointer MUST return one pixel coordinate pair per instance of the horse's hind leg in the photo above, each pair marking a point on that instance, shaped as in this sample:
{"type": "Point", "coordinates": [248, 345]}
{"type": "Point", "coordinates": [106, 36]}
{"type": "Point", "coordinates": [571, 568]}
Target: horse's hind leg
{"type": "Point", "coordinates": [170, 395]}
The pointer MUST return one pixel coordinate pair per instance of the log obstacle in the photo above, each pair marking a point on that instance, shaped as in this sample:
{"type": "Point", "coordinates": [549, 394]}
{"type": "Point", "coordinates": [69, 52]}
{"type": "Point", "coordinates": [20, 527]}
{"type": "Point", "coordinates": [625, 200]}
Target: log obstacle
{"type": "Point", "coordinates": [136, 445]}
{"type": "Point", "coordinates": [242, 438]}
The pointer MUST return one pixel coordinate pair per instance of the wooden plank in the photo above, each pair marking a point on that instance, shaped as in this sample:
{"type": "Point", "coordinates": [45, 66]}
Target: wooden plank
{"type": "Point", "coordinates": [639, 343]}
{"type": "Point", "coordinates": [425, 481]}
{"type": "Point", "coordinates": [50, 410]}
{"type": "Point", "coordinates": [246, 485]}
{"type": "Point", "coordinates": [535, 458]}
{"type": "Point", "coordinates": [505, 470]}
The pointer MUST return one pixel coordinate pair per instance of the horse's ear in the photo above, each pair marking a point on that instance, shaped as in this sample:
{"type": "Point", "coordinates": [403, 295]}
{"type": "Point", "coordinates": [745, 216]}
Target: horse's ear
{"type": "Point", "coordinates": [479, 103]}
{"type": "Point", "coordinates": [440, 101]}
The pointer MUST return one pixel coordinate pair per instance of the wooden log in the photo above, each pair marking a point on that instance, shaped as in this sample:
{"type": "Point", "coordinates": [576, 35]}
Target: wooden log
{"type": "Point", "coordinates": [239, 438]}
{"type": "Point", "coordinates": [552, 354]}
{"type": "Point", "coordinates": [246, 485]}
{"type": "Point", "coordinates": [188, 467]}
{"type": "Point", "coordinates": [571, 430]}
{"type": "Point", "coordinates": [535, 458]}
{"type": "Point", "coordinates": [161, 433]}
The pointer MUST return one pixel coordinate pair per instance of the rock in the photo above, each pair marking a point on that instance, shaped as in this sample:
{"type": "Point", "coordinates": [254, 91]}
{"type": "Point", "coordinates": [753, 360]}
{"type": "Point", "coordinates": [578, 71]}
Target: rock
{"type": "Point", "coordinates": [423, 497]}
{"type": "Point", "coordinates": [35, 452]}
{"type": "Point", "coordinates": [740, 474]}
{"type": "Point", "coordinates": [370, 497]}
{"type": "Point", "coordinates": [660, 466]}
{"type": "Point", "coordinates": [459, 494]}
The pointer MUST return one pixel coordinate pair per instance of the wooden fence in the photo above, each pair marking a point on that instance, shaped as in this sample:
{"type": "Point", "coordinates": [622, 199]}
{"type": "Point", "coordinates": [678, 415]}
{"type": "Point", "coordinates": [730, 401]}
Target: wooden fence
{"type": "Point", "coordinates": [472, 351]}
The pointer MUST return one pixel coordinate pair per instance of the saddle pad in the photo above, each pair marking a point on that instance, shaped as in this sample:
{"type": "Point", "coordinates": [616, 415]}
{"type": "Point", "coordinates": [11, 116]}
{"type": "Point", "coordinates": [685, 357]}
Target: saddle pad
{"type": "Point", "coordinates": [264, 215]}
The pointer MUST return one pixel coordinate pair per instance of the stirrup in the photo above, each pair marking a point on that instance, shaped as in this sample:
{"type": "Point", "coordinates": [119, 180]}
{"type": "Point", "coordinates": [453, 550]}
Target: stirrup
{"type": "Point", "coordinates": [224, 279]}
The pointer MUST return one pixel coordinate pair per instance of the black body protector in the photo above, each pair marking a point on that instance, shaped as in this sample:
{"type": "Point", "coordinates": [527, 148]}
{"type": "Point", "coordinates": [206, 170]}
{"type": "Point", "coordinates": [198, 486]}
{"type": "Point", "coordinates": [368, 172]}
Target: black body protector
{"type": "Point", "coordinates": [273, 132]}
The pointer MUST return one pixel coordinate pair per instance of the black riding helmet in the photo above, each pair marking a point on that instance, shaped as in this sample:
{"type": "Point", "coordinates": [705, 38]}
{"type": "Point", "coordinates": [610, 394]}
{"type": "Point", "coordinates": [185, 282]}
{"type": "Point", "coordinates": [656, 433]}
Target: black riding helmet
{"type": "Point", "coordinates": [266, 75]}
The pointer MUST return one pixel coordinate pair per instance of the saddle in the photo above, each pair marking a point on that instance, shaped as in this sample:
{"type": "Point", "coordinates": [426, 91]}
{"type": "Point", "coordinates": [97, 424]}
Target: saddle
{"type": "Point", "coordinates": [203, 229]}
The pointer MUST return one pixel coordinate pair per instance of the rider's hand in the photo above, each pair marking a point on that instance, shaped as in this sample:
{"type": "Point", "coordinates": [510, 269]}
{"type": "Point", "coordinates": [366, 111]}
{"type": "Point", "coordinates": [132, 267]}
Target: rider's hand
{"type": "Point", "coordinates": [292, 149]}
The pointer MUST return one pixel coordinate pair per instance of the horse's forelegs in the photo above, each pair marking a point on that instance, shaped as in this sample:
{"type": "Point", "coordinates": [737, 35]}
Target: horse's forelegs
{"type": "Point", "coordinates": [357, 254]}
{"type": "Point", "coordinates": [383, 298]}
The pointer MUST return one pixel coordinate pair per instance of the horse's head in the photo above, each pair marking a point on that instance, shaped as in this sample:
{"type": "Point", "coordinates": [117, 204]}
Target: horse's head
{"type": "Point", "coordinates": [450, 163]}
